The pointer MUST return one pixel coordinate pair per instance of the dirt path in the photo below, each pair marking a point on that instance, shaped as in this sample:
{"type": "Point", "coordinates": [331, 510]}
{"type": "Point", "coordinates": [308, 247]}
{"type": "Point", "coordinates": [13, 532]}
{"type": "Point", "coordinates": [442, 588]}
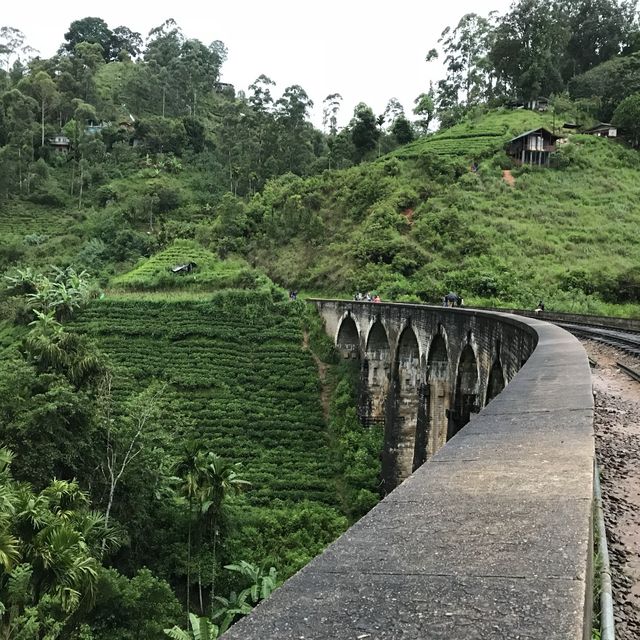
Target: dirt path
{"type": "Point", "coordinates": [617, 429]}
{"type": "Point", "coordinates": [325, 394]}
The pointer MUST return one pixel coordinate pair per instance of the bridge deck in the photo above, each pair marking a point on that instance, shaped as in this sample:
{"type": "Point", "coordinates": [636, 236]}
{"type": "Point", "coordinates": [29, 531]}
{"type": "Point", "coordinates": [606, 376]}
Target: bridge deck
{"type": "Point", "coordinates": [491, 538]}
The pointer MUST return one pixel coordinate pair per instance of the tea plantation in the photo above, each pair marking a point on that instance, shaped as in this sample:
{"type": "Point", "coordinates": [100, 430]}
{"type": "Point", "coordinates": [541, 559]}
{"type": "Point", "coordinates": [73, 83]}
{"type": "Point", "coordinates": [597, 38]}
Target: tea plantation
{"type": "Point", "coordinates": [210, 272]}
{"type": "Point", "coordinates": [240, 382]}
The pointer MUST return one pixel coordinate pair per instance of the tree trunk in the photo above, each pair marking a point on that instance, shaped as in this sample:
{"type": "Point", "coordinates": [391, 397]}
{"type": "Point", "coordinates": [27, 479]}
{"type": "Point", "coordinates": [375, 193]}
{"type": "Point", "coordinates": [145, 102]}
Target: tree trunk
{"type": "Point", "coordinates": [107, 515]}
{"type": "Point", "coordinates": [42, 122]}
{"type": "Point", "coordinates": [81, 186]}
{"type": "Point", "coordinates": [213, 562]}
{"type": "Point", "coordinates": [188, 562]}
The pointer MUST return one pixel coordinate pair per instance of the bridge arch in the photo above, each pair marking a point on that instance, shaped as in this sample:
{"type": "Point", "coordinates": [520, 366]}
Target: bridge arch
{"type": "Point", "coordinates": [495, 383]}
{"type": "Point", "coordinates": [376, 365]}
{"type": "Point", "coordinates": [402, 410]}
{"type": "Point", "coordinates": [466, 391]}
{"type": "Point", "coordinates": [348, 337]}
{"type": "Point", "coordinates": [438, 392]}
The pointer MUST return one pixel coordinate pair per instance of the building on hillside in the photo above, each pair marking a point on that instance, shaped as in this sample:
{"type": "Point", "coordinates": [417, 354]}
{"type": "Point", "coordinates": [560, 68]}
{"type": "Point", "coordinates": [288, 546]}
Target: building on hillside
{"type": "Point", "coordinates": [60, 143]}
{"type": "Point", "coordinates": [533, 147]}
{"type": "Point", "coordinates": [226, 88]}
{"type": "Point", "coordinates": [603, 130]}
{"type": "Point", "coordinates": [536, 104]}
{"type": "Point", "coordinates": [94, 128]}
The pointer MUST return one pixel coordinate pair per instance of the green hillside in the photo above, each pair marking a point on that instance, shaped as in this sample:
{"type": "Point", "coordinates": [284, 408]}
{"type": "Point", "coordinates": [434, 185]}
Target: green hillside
{"type": "Point", "coordinates": [419, 223]}
{"type": "Point", "coordinates": [209, 272]}
{"type": "Point", "coordinates": [138, 399]}
{"type": "Point", "coordinates": [477, 136]}
{"type": "Point", "coordinates": [241, 383]}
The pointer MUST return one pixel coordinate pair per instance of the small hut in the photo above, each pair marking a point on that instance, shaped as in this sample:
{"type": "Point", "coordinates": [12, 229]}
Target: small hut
{"type": "Point", "coordinates": [533, 147]}
{"type": "Point", "coordinates": [538, 104]}
{"type": "Point", "coordinates": [603, 130]}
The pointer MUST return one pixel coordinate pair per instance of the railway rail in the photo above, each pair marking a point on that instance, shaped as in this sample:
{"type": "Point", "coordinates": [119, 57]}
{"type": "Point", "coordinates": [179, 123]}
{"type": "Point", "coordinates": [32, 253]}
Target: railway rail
{"type": "Point", "coordinates": [629, 371]}
{"type": "Point", "coordinates": [620, 333]}
{"type": "Point", "coordinates": [627, 341]}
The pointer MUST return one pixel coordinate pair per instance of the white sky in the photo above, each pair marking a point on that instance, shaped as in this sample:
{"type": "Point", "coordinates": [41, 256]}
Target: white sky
{"type": "Point", "coordinates": [366, 50]}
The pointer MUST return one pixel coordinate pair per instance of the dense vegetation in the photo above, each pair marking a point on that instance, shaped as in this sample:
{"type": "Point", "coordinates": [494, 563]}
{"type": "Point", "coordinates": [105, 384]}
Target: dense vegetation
{"type": "Point", "coordinates": [178, 442]}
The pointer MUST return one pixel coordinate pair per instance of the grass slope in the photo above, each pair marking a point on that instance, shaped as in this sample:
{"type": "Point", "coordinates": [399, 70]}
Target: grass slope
{"type": "Point", "coordinates": [417, 224]}
{"type": "Point", "coordinates": [240, 382]}
{"type": "Point", "coordinates": [211, 273]}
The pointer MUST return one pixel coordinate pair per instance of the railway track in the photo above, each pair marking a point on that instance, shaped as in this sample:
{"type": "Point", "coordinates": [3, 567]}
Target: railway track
{"type": "Point", "coordinates": [626, 341]}
{"type": "Point", "coordinates": [629, 371]}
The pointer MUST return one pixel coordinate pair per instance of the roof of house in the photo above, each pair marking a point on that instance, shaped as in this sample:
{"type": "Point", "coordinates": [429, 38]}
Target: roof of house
{"type": "Point", "coordinates": [59, 139]}
{"type": "Point", "coordinates": [601, 125]}
{"type": "Point", "coordinates": [539, 130]}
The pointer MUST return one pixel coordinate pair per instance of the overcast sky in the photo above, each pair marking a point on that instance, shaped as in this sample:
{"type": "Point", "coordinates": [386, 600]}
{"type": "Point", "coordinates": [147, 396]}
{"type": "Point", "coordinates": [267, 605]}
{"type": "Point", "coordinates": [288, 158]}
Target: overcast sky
{"type": "Point", "coordinates": [366, 50]}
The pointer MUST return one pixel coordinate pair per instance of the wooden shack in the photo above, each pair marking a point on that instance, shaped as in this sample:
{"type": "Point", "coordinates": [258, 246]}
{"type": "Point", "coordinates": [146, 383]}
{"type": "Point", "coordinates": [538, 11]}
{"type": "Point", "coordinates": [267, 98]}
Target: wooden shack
{"type": "Point", "coordinates": [603, 130]}
{"type": "Point", "coordinates": [533, 147]}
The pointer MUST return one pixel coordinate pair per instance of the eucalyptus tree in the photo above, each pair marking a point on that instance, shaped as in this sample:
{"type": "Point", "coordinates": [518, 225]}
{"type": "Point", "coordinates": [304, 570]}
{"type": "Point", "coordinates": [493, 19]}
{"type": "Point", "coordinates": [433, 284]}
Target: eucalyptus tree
{"type": "Point", "coordinates": [292, 110]}
{"type": "Point", "coordinates": [330, 109]}
{"type": "Point", "coordinates": [43, 89]}
{"type": "Point", "coordinates": [469, 73]}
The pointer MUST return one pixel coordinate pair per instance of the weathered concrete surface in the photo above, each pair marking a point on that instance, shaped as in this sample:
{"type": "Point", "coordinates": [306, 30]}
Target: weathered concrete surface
{"type": "Point", "coordinates": [424, 371]}
{"type": "Point", "coordinates": [489, 539]}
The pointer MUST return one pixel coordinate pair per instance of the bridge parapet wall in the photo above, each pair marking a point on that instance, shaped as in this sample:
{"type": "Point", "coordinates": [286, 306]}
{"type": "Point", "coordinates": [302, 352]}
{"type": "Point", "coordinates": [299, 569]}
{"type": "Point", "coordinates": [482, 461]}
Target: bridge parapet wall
{"type": "Point", "coordinates": [491, 538]}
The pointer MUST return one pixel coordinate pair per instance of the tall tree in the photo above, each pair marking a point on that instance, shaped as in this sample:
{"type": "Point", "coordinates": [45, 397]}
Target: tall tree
{"type": "Point", "coordinates": [91, 30]}
{"type": "Point", "coordinates": [469, 77]}
{"type": "Point", "coordinates": [529, 47]}
{"type": "Point", "coordinates": [12, 47]}
{"type": "Point", "coordinates": [222, 480]}
{"type": "Point", "coordinates": [600, 30]}
{"type": "Point", "coordinates": [364, 130]}
{"type": "Point", "coordinates": [425, 109]}
{"type": "Point", "coordinates": [292, 111]}
{"type": "Point", "coordinates": [330, 109]}
{"type": "Point", "coordinates": [124, 43]}
{"type": "Point", "coordinates": [44, 90]}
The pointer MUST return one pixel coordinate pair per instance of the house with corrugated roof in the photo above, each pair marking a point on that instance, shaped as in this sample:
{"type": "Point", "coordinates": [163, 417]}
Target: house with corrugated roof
{"type": "Point", "coordinates": [533, 147]}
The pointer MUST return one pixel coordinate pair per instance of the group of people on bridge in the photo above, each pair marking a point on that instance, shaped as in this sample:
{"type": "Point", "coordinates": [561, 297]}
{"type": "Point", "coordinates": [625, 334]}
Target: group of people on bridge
{"type": "Point", "coordinates": [366, 297]}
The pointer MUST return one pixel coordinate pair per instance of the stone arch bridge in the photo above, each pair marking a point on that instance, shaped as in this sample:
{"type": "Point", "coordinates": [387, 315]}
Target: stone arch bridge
{"type": "Point", "coordinates": [490, 538]}
{"type": "Point", "coordinates": [424, 371]}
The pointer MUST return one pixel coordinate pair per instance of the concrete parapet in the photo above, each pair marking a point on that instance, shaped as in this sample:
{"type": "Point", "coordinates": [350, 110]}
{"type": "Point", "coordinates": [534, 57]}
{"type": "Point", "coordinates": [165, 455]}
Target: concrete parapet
{"type": "Point", "coordinates": [491, 537]}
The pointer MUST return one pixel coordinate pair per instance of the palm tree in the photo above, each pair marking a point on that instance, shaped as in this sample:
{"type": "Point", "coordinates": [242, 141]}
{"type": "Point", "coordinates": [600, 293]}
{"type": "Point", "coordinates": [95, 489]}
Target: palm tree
{"type": "Point", "coordinates": [55, 538]}
{"type": "Point", "coordinates": [222, 480]}
{"type": "Point", "coordinates": [9, 544]}
{"type": "Point", "coordinates": [190, 469]}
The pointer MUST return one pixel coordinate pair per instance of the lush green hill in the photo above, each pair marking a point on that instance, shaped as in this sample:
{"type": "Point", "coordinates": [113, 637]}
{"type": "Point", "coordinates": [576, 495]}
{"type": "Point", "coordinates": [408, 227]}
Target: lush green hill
{"type": "Point", "coordinates": [417, 224]}
{"type": "Point", "coordinates": [209, 273]}
{"type": "Point", "coordinates": [241, 383]}
{"type": "Point", "coordinates": [477, 136]}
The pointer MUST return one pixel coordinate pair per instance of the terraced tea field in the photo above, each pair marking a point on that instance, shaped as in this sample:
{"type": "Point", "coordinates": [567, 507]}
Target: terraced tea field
{"type": "Point", "coordinates": [210, 273]}
{"type": "Point", "coordinates": [23, 219]}
{"type": "Point", "coordinates": [238, 378]}
{"type": "Point", "coordinates": [466, 143]}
